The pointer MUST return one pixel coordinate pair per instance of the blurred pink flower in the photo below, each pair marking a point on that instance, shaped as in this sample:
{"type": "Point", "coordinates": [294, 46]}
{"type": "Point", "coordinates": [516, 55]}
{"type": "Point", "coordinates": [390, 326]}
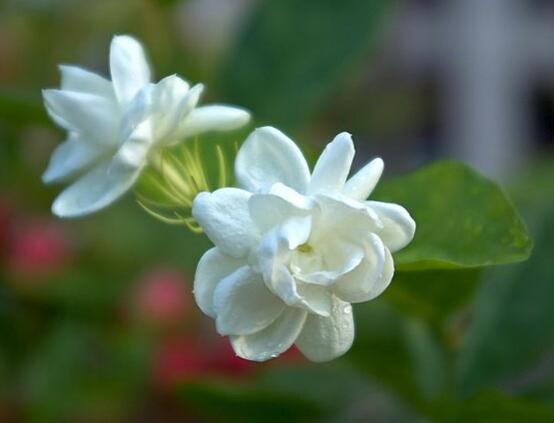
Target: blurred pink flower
{"type": "Point", "coordinates": [36, 248]}
{"type": "Point", "coordinates": [161, 297]}
{"type": "Point", "coordinates": [185, 359]}
{"type": "Point", "coordinates": [177, 360]}
{"type": "Point", "coordinates": [223, 360]}
{"type": "Point", "coordinates": [4, 227]}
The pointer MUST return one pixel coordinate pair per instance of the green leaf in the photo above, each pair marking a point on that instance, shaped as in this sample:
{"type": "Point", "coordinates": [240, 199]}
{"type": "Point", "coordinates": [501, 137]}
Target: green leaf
{"type": "Point", "coordinates": [428, 360]}
{"type": "Point", "coordinates": [492, 407]}
{"type": "Point", "coordinates": [463, 219]}
{"type": "Point", "coordinates": [21, 108]}
{"type": "Point", "coordinates": [218, 401]}
{"type": "Point", "coordinates": [290, 58]}
{"type": "Point", "coordinates": [380, 349]}
{"type": "Point", "coordinates": [513, 314]}
{"type": "Point", "coordinates": [433, 295]}
{"type": "Point", "coordinates": [83, 371]}
{"type": "Point", "coordinates": [350, 390]}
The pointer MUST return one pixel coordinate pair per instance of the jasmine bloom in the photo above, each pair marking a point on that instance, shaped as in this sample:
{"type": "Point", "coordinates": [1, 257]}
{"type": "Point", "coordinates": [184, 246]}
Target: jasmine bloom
{"type": "Point", "coordinates": [293, 250]}
{"type": "Point", "coordinates": [116, 128]}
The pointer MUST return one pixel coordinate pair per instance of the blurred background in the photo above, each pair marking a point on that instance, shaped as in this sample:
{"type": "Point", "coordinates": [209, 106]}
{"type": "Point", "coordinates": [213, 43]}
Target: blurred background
{"type": "Point", "coordinates": [97, 321]}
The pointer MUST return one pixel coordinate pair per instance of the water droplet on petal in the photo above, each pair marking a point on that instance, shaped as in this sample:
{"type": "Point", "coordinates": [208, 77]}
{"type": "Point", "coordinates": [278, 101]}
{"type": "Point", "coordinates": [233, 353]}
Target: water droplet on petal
{"type": "Point", "coordinates": [347, 309]}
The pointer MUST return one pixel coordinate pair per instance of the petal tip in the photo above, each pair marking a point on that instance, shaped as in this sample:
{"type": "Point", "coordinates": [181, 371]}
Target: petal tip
{"type": "Point", "coordinates": [48, 177]}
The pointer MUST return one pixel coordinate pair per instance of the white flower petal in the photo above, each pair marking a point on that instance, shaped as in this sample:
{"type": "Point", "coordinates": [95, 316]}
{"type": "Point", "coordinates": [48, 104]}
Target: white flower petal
{"type": "Point", "coordinates": [169, 104]}
{"type": "Point", "coordinates": [135, 149]}
{"type": "Point", "coordinates": [269, 210]}
{"type": "Point", "coordinates": [333, 165]}
{"type": "Point", "coordinates": [398, 226]}
{"type": "Point", "coordinates": [95, 117]}
{"type": "Point", "coordinates": [370, 278]}
{"type": "Point", "coordinates": [326, 338]}
{"type": "Point", "coordinates": [326, 263]}
{"type": "Point", "coordinates": [341, 216]}
{"type": "Point", "coordinates": [268, 156]}
{"type": "Point", "coordinates": [315, 299]}
{"type": "Point", "coordinates": [310, 298]}
{"type": "Point", "coordinates": [361, 185]}
{"type": "Point", "coordinates": [224, 216]}
{"type": "Point", "coordinates": [171, 113]}
{"type": "Point", "coordinates": [214, 118]}
{"type": "Point", "coordinates": [97, 189]}
{"type": "Point", "coordinates": [275, 248]}
{"type": "Point", "coordinates": [128, 67]}
{"type": "Point", "coordinates": [243, 304]}
{"type": "Point", "coordinates": [273, 340]}
{"type": "Point", "coordinates": [71, 157]}
{"type": "Point", "coordinates": [212, 268]}
{"type": "Point", "coordinates": [81, 80]}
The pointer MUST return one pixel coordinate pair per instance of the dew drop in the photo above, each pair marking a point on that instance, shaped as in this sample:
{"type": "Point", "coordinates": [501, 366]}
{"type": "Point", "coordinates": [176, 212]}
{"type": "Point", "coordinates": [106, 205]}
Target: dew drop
{"type": "Point", "coordinates": [347, 309]}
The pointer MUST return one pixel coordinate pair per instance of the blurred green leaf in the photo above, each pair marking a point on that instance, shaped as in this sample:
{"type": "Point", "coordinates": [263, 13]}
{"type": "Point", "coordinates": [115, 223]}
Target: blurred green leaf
{"type": "Point", "coordinates": [218, 401]}
{"type": "Point", "coordinates": [290, 57]}
{"type": "Point", "coordinates": [513, 314]}
{"type": "Point", "coordinates": [380, 349]}
{"type": "Point", "coordinates": [428, 359]}
{"type": "Point", "coordinates": [350, 397]}
{"type": "Point", "coordinates": [463, 219]}
{"type": "Point", "coordinates": [20, 108]}
{"type": "Point", "coordinates": [432, 294]}
{"type": "Point", "coordinates": [81, 371]}
{"type": "Point", "coordinates": [493, 407]}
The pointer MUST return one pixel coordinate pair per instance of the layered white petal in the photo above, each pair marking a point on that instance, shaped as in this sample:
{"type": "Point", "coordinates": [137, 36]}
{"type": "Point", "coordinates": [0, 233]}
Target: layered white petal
{"type": "Point", "coordinates": [276, 246]}
{"type": "Point", "coordinates": [237, 313]}
{"type": "Point", "coordinates": [273, 340]}
{"type": "Point", "coordinates": [72, 157]}
{"type": "Point", "coordinates": [224, 216]}
{"type": "Point", "coordinates": [214, 117]}
{"type": "Point", "coordinates": [324, 264]}
{"type": "Point", "coordinates": [212, 268]}
{"type": "Point", "coordinates": [81, 80]}
{"type": "Point", "coordinates": [310, 298]}
{"type": "Point", "coordinates": [171, 102]}
{"type": "Point", "coordinates": [97, 189]}
{"type": "Point", "coordinates": [128, 67]}
{"type": "Point", "coordinates": [268, 156]}
{"type": "Point", "coordinates": [333, 166]}
{"type": "Point", "coordinates": [370, 278]}
{"type": "Point", "coordinates": [134, 151]}
{"type": "Point", "coordinates": [315, 299]}
{"type": "Point", "coordinates": [398, 226]}
{"type": "Point", "coordinates": [326, 338]}
{"type": "Point", "coordinates": [362, 184]}
{"type": "Point", "coordinates": [270, 210]}
{"type": "Point", "coordinates": [340, 215]}
{"type": "Point", "coordinates": [171, 113]}
{"type": "Point", "coordinates": [95, 117]}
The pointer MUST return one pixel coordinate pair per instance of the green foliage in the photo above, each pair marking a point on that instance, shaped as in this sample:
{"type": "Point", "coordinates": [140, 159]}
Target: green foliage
{"type": "Point", "coordinates": [509, 299]}
{"type": "Point", "coordinates": [432, 295]}
{"type": "Point", "coordinates": [292, 57]}
{"type": "Point", "coordinates": [18, 108]}
{"type": "Point", "coordinates": [232, 403]}
{"type": "Point", "coordinates": [80, 370]}
{"type": "Point", "coordinates": [463, 219]}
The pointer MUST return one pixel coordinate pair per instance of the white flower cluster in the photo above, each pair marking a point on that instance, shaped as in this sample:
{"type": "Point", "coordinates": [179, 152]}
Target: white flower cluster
{"type": "Point", "coordinates": [115, 127]}
{"type": "Point", "coordinates": [293, 248]}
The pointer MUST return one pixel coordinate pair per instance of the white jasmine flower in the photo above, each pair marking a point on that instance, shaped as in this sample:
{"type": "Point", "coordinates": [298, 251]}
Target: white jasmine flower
{"type": "Point", "coordinates": [293, 250]}
{"type": "Point", "coordinates": [116, 127]}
